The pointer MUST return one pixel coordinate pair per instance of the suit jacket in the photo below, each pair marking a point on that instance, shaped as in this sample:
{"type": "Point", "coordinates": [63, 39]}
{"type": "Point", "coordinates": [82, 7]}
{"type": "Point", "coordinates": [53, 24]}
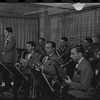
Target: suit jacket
{"type": "Point", "coordinates": [9, 51]}
{"type": "Point", "coordinates": [33, 59]}
{"type": "Point", "coordinates": [80, 86]}
{"type": "Point", "coordinates": [49, 66]}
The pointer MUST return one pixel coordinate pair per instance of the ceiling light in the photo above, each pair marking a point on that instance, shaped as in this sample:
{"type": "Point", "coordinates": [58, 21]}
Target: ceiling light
{"type": "Point", "coordinates": [79, 6]}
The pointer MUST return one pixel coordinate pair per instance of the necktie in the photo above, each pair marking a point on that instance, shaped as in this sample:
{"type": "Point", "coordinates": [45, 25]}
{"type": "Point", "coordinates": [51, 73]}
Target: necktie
{"type": "Point", "coordinates": [4, 46]}
{"type": "Point", "coordinates": [45, 59]}
{"type": "Point", "coordinates": [6, 43]}
{"type": "Point", "coordinates": [29, 55]}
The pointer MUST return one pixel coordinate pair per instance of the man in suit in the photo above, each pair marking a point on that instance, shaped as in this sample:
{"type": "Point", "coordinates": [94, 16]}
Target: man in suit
{"type": "Point", "coordinates": [8, 54]}
{"type": "Point", "coordinates": [48, 65]}
{"type": "Point", "coordinates": [41, 48]}
{"type": "Point", "coordinates": [80, 85]}
{"type": "Point", "coordinates": [63, 46]}
{"type": "Point", "coordinates": [30, 58]}
{"type": "Point", "coordinates": [64, 49]}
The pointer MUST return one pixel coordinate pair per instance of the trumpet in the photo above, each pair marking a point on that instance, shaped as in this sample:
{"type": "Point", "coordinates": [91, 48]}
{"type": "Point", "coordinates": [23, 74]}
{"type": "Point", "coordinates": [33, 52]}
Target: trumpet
{"type": "Point", "coordinates": [65, 64]}
{"type": "Point", "coordinates": [63, 58]}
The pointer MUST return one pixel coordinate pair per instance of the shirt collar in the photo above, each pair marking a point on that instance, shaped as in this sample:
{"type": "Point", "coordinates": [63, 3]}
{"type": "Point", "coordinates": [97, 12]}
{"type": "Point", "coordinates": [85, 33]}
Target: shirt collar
{"type": "Point", "coordinates": [51, 54]}
{"type": "Point", "coordinates": [9, 37]}
{"type": "Point", "coordinates": [31, 52]}
{"type": "Point", "coordinates": [79, 62]}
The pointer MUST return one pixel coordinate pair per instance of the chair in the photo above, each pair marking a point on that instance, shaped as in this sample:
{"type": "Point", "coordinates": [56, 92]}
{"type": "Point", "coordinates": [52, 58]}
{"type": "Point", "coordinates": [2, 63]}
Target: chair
{"type": "Point", "coordinates": [96, 80]}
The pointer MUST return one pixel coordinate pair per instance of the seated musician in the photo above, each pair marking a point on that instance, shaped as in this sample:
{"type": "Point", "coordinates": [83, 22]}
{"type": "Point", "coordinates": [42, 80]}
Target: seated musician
{"type": "Point", "coordinates": [64, 45]}
{"type": "Point", "coordinates": [80, 85]}
{"type": "Point", "coordinates": [30, 57]}
{"type": "Point", "coordinates": [64, 49]}
{"type": "Point", "coordinates": [41, 48]}
{"type": "Point", "coordinates": [48, 67]}
{"type": "Point", "coordinates": [87, 47]}
{"type": "Point", "coordinates": [48, 64]}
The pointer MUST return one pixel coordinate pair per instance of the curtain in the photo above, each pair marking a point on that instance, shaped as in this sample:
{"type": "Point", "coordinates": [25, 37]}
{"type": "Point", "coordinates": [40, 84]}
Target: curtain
{"type": "Point", "coordinates": [24, 30]}
{"type": "Point", "coordinates": [77, 26]}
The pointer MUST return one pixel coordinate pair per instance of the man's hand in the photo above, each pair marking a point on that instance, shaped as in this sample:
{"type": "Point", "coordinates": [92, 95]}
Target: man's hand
{"type": "Point", "coordinates": [68, 81]}
{"type": "Point", "coordinates": [23, 62]}
{"type": "Point", "coordinates": [41, 68]}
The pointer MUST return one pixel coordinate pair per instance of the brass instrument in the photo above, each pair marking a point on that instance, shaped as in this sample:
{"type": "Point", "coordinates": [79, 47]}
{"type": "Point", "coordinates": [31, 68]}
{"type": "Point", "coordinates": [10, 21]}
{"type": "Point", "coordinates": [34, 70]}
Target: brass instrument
{"type": "Point", "coordinates": [63, 54]}
{"type": "Point", "coordinates": [61, 75]}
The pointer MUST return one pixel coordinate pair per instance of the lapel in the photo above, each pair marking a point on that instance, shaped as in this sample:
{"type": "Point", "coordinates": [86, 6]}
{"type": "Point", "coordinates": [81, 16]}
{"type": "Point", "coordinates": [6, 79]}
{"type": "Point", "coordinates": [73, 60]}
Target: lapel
{"type": "Point", "coordinates": [7, 41]}
{"type": "Point", "coordinates": [79, 68]}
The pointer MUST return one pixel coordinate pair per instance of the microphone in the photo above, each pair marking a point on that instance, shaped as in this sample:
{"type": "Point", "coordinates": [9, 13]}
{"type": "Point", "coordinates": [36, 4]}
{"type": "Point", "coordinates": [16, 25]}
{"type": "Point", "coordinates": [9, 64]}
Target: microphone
{"type": "Point", "coordinates": [67, 63]}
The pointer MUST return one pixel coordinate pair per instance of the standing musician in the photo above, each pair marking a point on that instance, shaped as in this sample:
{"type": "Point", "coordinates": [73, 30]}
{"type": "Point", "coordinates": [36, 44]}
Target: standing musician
{"type": "Point", "coordinates": [80, 85]}
{"type": "Point", "coordinates": [8, 55]}
{"type": "Point", "coordinates": [25, 62]}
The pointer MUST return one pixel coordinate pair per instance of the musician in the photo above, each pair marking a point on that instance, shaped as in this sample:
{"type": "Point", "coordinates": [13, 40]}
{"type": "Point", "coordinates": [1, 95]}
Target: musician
{"type": "Point", "coordinates": [88, 43]}
{"type": "Point", "coordinates": [64, 49]}
{"type": "Point", "coordinates": [41, 47]}
{"type": "Point", "coordinates": [64, 45]}
{"type": "Point", "coordinates": [8, 55]}
{"type": "Point", "coordinates": [48, 64]}
{"type": "Point", "coordinates": [29, 58]}
{"type": "Point", "coordinates": [25, 62]}
{"type": "Point", "coordinates": [88, 54]}
{"type": "Point", "coordinates": [80, 85]}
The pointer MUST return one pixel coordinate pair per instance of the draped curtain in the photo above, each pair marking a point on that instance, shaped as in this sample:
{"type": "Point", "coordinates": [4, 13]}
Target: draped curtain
{"type": "Point", "coordinates": [24, 29]}
{"type": "Point", "coordinates": [76, 26]}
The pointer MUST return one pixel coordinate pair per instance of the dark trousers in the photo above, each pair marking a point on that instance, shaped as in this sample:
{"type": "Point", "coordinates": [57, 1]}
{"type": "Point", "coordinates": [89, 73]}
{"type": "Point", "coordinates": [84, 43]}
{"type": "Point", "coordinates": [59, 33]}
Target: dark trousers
{"type": "Point", "coordinates": [66, 95]}
{"type": "Point", "coordinates": [7, 77]}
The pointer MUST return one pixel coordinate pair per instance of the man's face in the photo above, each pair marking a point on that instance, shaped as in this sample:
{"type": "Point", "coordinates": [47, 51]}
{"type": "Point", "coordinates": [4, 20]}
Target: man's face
{"type": "Point", "coordinates": [86, 43]}
{"type": "Point", "coordinates": [74, 55]}
{"type": "Point", "coordinates": [41, 42]}
{"type": "Point", "coordinates": [62, 42]}
{"type": "Point", "coordinates": [49, 49]}
{"type": "Point", "coordinates": [6, 33]}
{"type": "Point", "coordinates": [29, 47]}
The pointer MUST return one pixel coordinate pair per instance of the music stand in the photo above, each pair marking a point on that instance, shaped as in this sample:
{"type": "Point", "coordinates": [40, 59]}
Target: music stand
{"type": "Point", "coordinates": [19, 50]}
{"type": "Point", "coordinates": [6, 68]}
{"type": "Point", "coordinates": [42, 80]}
{"type": "Point", "coordinates": [14, 71]}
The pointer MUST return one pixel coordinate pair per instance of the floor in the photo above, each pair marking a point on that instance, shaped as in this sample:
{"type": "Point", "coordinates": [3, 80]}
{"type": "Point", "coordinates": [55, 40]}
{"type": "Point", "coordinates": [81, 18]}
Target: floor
{"type": "Point", "coordinates": [6, 94]}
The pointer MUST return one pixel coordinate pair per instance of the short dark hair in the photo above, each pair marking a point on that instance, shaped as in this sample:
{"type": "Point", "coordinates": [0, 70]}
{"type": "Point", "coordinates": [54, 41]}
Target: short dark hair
{"type": "Point", "coordinates": [79, 48]}
{"type": "Point", "coordinates": [32, 43]}
{"type": "Point", "coordinates": [9, 29]}
{"type": "Point", "coordinates": [53, 44]}
{"type": "Point", "coordinates": [64, 38]}
{"type": "Point", "coordinates": [42, 39]}
{"type": "Point", "coordinates": [89, 40]}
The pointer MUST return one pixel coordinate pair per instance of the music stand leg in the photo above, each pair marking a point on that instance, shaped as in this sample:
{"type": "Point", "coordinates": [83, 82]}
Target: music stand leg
{"type": "Point", "coordinates": [1, 85]}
